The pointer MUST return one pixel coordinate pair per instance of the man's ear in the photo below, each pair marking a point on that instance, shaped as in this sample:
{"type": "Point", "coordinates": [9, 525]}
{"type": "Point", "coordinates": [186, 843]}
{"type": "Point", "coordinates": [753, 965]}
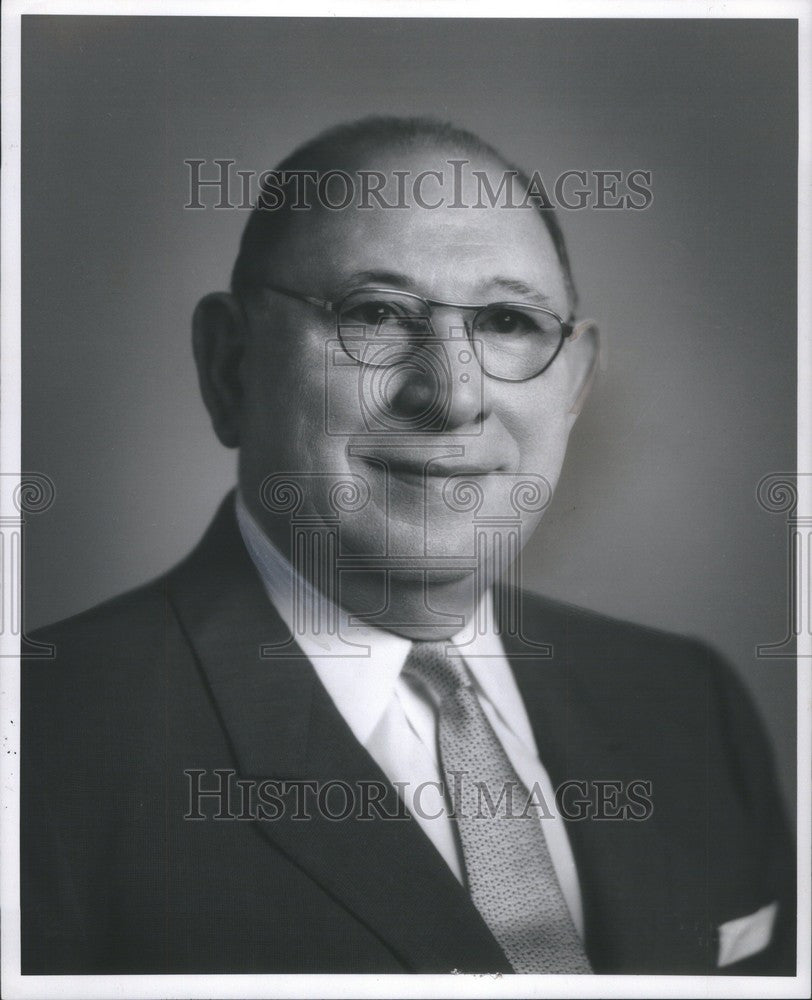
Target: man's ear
{"type": "Point", "coordinates": [587, 350]}
{"type": "Point", "coordinates": [219, 339]}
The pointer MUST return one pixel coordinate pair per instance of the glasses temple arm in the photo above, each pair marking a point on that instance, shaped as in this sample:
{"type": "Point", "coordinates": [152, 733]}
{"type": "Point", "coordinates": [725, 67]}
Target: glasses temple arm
{"type": "Point", "coordinates": [325, 304]}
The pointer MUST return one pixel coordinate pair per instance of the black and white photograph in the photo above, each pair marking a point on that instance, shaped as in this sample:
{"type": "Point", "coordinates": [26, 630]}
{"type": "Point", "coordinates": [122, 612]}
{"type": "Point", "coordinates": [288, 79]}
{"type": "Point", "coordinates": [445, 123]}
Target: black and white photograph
{"type": "Point", "coordinates": [406, 500]}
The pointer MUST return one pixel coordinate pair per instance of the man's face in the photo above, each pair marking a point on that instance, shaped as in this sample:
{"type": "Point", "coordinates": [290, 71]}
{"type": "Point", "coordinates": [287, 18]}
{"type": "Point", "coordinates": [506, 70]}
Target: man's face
{"type": "Point", "coordinates": [311, 415]}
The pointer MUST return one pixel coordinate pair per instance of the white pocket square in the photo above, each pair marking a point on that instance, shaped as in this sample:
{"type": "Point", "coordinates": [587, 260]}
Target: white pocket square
{"type": "Point", "coordinates": [745, 936]}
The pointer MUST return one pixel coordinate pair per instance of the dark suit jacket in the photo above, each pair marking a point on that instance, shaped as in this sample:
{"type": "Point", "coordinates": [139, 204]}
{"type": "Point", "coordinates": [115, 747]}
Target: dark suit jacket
{"type": "Point", "coordinates": [169, 678]}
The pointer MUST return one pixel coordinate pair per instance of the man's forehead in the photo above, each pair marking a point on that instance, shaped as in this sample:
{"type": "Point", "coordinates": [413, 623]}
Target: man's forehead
{"type": "Point", "coordinates": [458, 246]}
{"type": "Point", "coordinates": [421, 248]}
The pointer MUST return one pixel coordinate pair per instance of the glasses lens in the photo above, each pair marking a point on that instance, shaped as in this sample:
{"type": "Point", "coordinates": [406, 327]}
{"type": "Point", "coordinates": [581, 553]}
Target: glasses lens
{"type": "Point", "coordinates": [376, 327]}
{"type": "Point", "coordinates": [516, 342]}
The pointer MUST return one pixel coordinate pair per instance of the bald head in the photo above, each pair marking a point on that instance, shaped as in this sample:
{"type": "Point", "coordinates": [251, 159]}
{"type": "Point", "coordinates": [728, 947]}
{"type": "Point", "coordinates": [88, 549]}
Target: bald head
{"type": "Point", "coordinates": [363, 146]}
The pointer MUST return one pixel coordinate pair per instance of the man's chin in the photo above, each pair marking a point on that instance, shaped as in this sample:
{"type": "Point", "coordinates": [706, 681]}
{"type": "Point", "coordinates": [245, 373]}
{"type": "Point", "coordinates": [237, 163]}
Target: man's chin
{"type": "Point", "coordinates": [441, 544]}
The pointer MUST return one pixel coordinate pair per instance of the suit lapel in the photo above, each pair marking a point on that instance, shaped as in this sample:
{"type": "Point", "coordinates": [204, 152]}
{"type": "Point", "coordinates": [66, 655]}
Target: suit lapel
{"type": "Point", "coordinates": [282, 724]}
{"type": "Point", "coordinates": [625, 869]}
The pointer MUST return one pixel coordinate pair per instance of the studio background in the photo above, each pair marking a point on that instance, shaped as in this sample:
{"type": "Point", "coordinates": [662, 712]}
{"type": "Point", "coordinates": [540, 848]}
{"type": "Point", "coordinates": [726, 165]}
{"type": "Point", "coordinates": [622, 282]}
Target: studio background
{"type": "Point", "coordinates": [655, 518]}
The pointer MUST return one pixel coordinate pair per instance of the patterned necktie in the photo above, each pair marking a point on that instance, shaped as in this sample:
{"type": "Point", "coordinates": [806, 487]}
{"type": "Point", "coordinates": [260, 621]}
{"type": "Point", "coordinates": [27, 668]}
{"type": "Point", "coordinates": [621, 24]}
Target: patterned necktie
{"type": "Point", "coordinates": [510, 874]}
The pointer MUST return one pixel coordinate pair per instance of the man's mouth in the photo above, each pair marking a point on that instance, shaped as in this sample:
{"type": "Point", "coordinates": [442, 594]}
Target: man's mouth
{"type": "Point", "coordinates": [428, 470]}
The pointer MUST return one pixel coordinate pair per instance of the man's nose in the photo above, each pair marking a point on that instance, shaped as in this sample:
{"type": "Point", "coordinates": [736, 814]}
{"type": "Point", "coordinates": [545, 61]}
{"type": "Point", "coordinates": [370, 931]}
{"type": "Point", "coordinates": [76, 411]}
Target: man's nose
{"type": "Point", "coordinates": [440, 384]}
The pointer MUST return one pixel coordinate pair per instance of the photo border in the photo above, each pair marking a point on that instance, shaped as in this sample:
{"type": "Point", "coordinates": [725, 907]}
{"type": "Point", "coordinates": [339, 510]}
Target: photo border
{"type": "Point", "coordinates": [16, 985]}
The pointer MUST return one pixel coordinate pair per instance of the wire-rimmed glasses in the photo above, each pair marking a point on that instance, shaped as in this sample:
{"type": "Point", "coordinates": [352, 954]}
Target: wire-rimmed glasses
{"type": "Point", "coordinates": [513, 341]}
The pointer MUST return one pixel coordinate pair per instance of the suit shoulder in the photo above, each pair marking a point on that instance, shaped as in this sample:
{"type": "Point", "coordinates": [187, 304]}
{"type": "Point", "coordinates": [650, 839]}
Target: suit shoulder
{"type": "Point", "coordinates": [557, 614]}
{"type": "Point", "coordinates": [677, 685]}
{"type": "Point", "coordinates": [113, 654]}
{"type": "Point", "coordinates": [644, 654]}
{"type": "Point", "coordinates": [138, 609]}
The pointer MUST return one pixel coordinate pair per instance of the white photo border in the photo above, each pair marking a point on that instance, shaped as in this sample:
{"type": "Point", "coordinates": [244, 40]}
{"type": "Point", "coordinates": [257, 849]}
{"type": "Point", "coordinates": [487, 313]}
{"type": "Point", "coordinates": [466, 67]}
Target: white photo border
{"type": "Point", "coordinates": [16, 985]}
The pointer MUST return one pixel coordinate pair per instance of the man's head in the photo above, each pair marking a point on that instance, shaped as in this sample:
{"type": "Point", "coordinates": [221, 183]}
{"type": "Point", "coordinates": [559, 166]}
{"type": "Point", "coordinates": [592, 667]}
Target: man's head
{"type": "Point", "coordinates": [419, 416]}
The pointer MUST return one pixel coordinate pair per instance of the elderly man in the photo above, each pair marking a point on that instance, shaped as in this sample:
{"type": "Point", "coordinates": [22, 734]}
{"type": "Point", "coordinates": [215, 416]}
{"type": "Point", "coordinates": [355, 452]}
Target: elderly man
{"type": "Point", "coordinates": [339, 737]}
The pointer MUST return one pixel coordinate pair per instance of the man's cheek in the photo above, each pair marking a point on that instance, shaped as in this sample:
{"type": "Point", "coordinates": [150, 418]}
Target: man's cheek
{"type": "Point", "coordinates": [542, 444]}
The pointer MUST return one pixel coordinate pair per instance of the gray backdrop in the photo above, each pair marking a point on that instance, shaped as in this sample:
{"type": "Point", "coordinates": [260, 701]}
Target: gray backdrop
{"type": "Point", "coordinates": [655, 518]}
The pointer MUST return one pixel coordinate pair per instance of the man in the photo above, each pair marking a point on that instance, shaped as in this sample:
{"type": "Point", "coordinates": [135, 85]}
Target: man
{"type": "Point", "coordinates": [528, 787]}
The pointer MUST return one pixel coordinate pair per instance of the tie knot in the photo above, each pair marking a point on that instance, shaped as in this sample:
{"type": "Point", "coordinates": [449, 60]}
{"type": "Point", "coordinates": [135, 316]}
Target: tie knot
{"type": "Point", "coordinates": [443, 675]}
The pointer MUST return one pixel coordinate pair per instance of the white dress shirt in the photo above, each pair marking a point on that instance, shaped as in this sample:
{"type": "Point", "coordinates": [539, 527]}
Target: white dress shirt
{"type": "Point", "coordinates": [396, 721]}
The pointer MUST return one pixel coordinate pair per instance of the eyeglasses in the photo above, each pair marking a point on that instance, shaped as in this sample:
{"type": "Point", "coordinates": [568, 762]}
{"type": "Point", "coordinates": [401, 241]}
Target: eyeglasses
{"type": "Point", "coordinates": [513, 341]}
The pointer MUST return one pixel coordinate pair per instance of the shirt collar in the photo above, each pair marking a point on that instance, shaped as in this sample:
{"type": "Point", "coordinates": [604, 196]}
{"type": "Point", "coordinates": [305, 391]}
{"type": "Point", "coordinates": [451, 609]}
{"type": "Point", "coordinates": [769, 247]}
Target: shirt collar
{"type": "Point", "coordinates": [360, 665]}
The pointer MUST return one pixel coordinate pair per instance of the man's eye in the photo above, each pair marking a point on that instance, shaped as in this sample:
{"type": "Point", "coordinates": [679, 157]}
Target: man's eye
{"type": "Point", "coordinates": [382, 314]}
{"type": "Point", "coordinates": [507, 321]}
{"type": "Point", "coordinates": [366, 312]}
{"type": "Point", "coordinates": [370, 312]}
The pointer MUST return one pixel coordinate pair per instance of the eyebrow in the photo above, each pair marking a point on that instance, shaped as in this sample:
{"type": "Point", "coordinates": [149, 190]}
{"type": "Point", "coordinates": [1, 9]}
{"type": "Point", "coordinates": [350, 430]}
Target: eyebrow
{"type": "Point", "coordinates": [394, 279]}
{"type": "Point", "coordinates": [388, 279]}
{"type": "Point", "coordinates": [520, 288]}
